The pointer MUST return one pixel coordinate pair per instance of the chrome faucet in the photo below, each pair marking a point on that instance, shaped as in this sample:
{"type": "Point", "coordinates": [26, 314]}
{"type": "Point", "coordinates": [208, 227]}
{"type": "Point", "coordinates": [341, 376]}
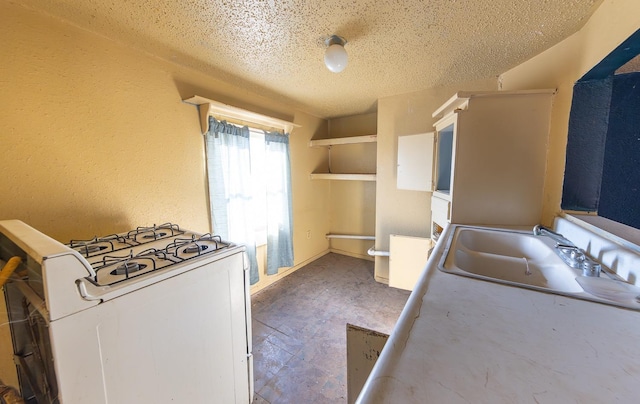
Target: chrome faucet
{"type": "Point", "coordinates": [540, 230]}
{"type": "Point", "coordinates": [569, 253]}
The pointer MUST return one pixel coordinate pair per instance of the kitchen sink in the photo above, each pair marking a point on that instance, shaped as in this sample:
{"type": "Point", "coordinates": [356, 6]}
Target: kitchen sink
{"type": "Point", "coordinates": [522, 259]}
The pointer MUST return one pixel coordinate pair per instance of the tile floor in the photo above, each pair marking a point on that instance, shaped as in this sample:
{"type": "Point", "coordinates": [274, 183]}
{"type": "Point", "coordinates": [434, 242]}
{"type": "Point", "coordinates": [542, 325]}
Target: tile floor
{"type": "Point", "coordinates": [299, 328]}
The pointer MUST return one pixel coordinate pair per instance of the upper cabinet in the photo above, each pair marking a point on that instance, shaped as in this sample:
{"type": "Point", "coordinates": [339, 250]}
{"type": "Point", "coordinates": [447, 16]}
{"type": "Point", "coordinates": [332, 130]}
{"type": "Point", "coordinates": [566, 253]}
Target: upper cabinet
{"type": "Point", "coordinates": [490, 158]}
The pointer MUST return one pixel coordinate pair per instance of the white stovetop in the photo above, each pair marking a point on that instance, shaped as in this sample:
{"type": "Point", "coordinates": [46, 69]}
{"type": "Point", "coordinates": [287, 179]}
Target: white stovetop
{"type": "Point", "coordinates": [463, 340]}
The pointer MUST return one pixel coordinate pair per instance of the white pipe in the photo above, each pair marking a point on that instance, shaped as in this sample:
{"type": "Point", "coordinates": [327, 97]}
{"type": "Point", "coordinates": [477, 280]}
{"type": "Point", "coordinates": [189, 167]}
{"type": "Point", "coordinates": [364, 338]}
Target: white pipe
{"type": "Point", "coordinates": [350, 236]}
{"type": "Point", "coordinates": [375, 253]}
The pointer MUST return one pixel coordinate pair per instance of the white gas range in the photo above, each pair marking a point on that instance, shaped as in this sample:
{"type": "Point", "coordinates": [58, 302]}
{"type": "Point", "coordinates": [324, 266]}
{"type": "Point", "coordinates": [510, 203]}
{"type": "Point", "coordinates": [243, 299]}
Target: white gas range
{"type": "Point", "coordinates": [157, 314]}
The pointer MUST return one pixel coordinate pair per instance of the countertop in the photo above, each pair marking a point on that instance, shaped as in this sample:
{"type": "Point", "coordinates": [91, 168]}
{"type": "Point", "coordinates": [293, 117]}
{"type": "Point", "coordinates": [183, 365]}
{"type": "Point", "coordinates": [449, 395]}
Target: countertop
{"type": "Point", "coordinates": [462, 340]}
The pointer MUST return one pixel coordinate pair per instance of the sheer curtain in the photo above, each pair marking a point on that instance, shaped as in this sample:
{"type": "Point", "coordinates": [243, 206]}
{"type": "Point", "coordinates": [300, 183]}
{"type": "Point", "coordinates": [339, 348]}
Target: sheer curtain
{"type": "Point", "coordinates": [279, 211]}
{"type": "Point", "coordinates": [230, 190]}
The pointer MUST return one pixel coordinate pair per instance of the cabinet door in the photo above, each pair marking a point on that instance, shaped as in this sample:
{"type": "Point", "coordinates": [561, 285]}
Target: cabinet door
{"type": "Point", "coordinates": [415, 162]}
{"type": "Point", "coordinates": [407, 259]}
{"type": "Point", "coordinates": [363, 350]}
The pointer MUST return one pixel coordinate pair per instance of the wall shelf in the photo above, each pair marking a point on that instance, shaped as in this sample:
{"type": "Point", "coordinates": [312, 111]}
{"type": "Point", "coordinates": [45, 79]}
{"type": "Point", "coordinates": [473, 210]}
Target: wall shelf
{"type": "Point", "coordinates": [344, 177]}
{"type": "Point", "coordinates": [217, 109]}
{"type": "Point", "coordinates": [343, 140]}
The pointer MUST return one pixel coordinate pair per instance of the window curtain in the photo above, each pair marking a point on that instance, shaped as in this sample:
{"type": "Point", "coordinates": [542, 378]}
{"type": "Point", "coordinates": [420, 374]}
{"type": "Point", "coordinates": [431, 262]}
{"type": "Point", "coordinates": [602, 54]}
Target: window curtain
{"type": "Point", "coordinates": [279, 210]}
{"type": "Point", "coordinates": [230, 190]}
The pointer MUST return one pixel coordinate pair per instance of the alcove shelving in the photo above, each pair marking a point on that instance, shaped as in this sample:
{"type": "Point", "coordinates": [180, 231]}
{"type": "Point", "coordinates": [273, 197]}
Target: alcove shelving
{"type": "Point", "coordinates": [329, 143]}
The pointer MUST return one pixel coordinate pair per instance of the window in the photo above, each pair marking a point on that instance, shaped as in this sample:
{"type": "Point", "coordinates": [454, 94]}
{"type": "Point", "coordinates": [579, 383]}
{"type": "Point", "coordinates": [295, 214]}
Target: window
{"type": "Point", "coordinates": [250, 191]}
{"type": "Point", "coordinates": [259, 179]}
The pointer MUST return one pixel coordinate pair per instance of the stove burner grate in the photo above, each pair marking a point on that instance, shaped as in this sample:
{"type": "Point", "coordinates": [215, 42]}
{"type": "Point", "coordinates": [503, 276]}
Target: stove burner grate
{"type": "Point", "coordinates": [97, 244]}
{"type": "Point", "coordinates": [128, 265]}
{"type": "Point", "coordinates": [195, 245]}
{"type": "Point", "coordinates": [91, 248]}
{"type": "Point", "coordinates": [155, 232]}
{"type": "Point", "coordinates": [125, 262]}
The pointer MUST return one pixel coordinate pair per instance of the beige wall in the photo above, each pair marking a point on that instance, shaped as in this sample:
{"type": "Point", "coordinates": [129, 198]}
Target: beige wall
{"type": "Point", "coordinates": [95, 140]}
{"type": "Point", "coordinates": [560, 67]}
{"type": "Point", "coordinates": [405, 212]}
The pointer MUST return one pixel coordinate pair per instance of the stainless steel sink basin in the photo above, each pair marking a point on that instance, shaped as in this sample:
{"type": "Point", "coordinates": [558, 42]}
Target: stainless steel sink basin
{"type": "Point", "coordinates": [508, 256]}
{"type": "Point", "coordinates": [520, 258]}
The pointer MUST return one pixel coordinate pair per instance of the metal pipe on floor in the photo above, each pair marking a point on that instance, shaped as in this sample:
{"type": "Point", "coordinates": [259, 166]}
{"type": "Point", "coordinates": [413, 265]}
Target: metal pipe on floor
{"type": "Point", "coordinates": [372, 252]}
{"type": "Point", "coordinates": [350, 236]}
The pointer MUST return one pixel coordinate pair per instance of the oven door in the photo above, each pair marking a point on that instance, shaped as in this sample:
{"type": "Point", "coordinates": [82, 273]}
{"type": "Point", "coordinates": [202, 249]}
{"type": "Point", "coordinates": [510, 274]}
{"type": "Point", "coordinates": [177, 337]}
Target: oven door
{"type": "Point", "coordinates": [31, 344]}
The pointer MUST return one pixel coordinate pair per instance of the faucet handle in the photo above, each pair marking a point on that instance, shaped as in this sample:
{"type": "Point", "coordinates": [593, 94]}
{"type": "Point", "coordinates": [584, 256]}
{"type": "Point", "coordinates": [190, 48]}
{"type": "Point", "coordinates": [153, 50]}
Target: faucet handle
{"type": "Point", "coordinates": [590, 268]}
{"type": "Point", "coordinates": [573, 251]}
{"type": "Point", "coordinates": [567, 246]}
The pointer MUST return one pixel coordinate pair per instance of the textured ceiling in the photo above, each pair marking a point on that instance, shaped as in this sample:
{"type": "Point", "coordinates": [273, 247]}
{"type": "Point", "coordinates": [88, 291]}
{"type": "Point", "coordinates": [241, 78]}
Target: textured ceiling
{"type": "Point", "coordinates": [276, 47]}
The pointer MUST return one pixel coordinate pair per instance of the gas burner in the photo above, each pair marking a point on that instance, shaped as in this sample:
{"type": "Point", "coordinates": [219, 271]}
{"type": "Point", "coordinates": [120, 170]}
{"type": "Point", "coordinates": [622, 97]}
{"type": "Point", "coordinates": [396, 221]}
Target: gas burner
{"type": "Point", "coordinates": [90, 248]}
{"type": "Point", "coordinates": [213, 240]}
{"type": "Point", "coordinates": [195, 248]}
{"type": "Point", "coordinates": [111, 269]}
{"type": "Point", "coordinates": [128, 267]}
{"type": "Point", "coordinates": [99, 245]}
{"type": "Point", "coordinates": [154, 236]}
{"type": "Point", "coordinates": [155, 232]}
{"type": "Point", "coordinates": [185, 248]}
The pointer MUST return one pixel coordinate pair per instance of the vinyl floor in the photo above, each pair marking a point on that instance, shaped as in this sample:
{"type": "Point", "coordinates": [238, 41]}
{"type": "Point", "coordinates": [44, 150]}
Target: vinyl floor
{"type": "Point", "coordinates": [299, 328]}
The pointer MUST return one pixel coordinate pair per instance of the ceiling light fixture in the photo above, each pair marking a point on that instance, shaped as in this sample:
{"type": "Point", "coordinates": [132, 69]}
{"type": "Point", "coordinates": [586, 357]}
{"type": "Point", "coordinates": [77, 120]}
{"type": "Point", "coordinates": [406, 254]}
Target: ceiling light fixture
{"type": "Point", "coordinates": [335, 57]}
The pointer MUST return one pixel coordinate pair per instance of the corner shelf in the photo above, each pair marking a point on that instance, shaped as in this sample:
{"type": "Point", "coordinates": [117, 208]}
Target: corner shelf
{"type": "Point", "coordinates": [345, 177]}
{"type": "Point", "coordinates": [343, 141]}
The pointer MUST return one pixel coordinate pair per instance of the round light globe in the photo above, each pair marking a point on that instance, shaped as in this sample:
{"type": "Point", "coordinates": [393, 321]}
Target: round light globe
{"type": "Point", "coordinates": [335, 58]}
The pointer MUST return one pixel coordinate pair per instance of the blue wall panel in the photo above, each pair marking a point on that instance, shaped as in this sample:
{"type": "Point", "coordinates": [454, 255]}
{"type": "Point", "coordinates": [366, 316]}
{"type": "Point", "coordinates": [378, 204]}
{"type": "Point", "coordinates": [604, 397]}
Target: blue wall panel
{"type": "Point", "coordinates": [588, 123]}
{"type": "Point", "coordinates": [620, 192]}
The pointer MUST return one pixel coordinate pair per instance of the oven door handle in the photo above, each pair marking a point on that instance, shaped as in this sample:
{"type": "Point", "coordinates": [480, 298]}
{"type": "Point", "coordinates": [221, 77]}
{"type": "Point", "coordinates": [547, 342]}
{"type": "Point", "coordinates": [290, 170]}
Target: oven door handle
{"type": "Point", "coordinates": [245, 261]}
{"type": "Point", "coordinates": [7, 270]}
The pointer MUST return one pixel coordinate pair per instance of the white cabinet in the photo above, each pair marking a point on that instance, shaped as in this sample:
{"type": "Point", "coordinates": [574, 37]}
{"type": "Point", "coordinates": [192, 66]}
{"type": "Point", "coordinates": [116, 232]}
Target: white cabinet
{"type": "Point", "coordinates": [414, 171]}
{"type": "Point", "coordinates": [490, 158]}
{"type": "Point", "coordinates": [407, 259]}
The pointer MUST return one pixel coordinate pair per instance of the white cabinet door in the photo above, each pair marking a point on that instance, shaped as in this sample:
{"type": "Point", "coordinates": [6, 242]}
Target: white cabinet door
{"type": "Point", "coordinates": [415, 162]}
{"type": "Point", "coordinates": [407, 258]}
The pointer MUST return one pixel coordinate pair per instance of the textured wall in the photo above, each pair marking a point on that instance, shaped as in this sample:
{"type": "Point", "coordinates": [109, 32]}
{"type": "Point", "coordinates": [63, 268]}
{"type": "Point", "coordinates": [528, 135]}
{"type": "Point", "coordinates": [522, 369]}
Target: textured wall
{"type": "Point", "coordinates": [95, 138]}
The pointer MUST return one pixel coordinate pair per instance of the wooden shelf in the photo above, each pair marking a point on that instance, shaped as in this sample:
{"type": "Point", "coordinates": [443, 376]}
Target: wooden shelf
{"type": "Point", "coordinates": [344, 140]}
{"type": "Point", "coordinates": [343, 177]}
{"type": "Point", "coordinates": [217, 109]}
